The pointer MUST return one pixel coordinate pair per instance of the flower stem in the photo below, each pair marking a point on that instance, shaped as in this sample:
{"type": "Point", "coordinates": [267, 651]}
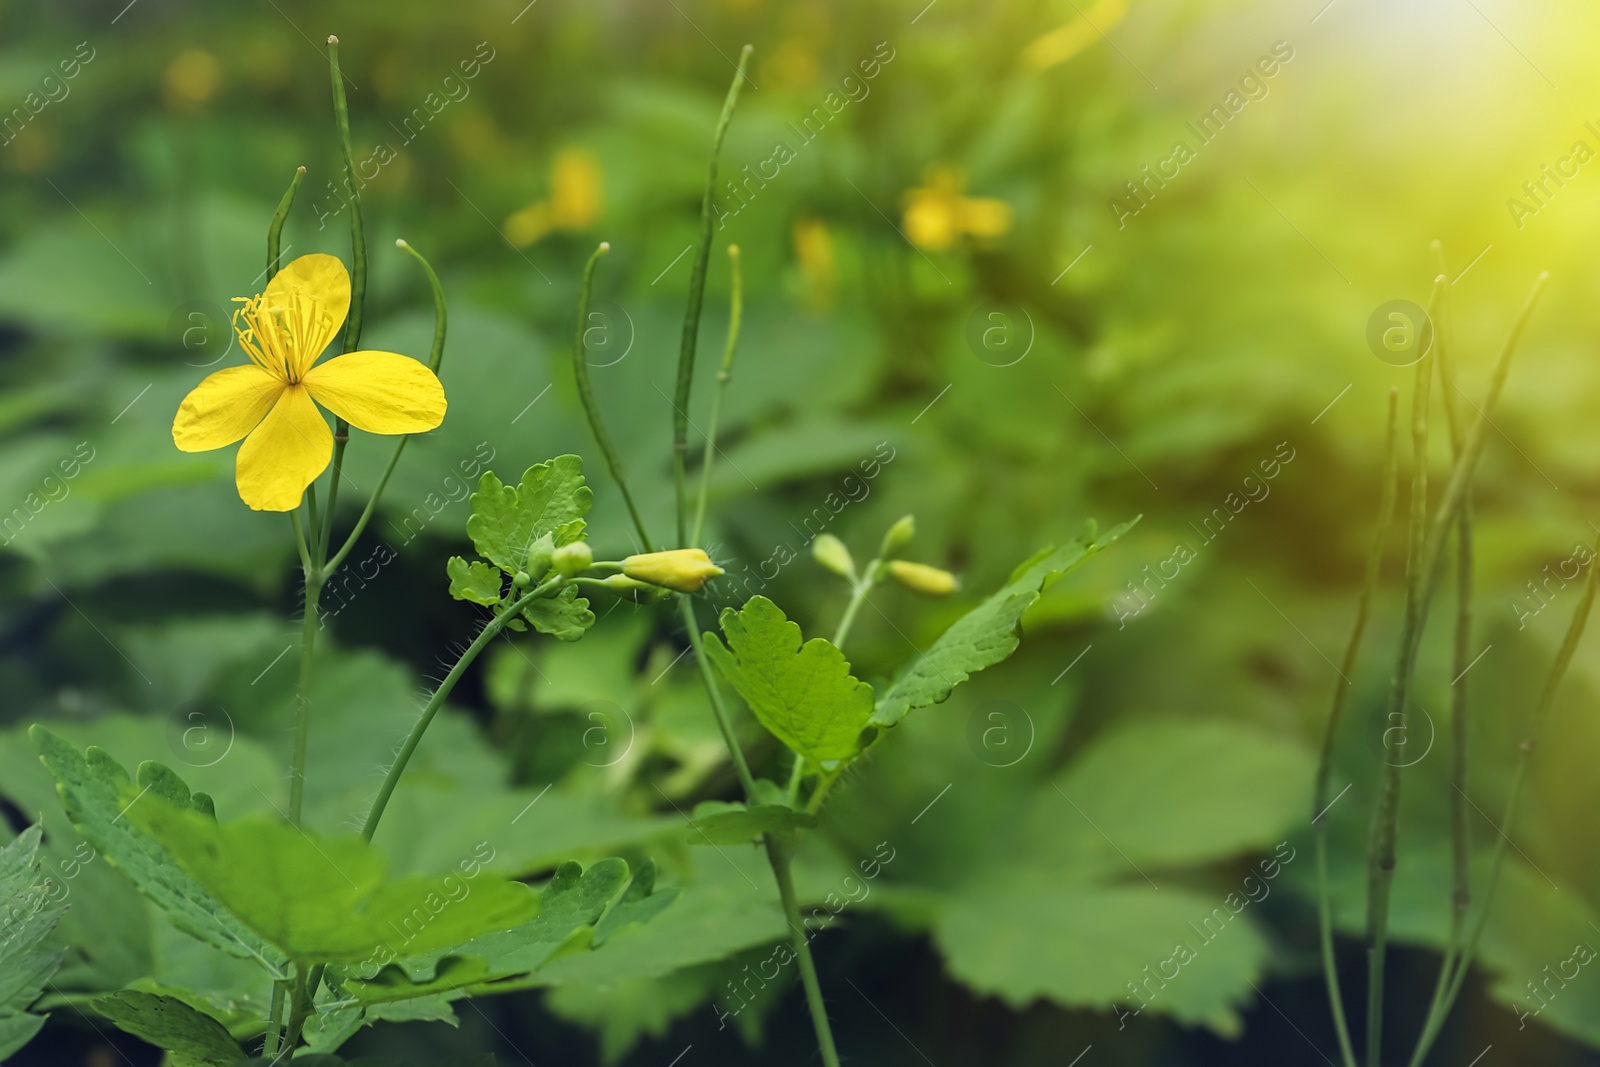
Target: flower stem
{"type": "Point", "coordinates": [580, 374]}
{"type": "Point", "coordinates": [275, 231]}
{"type": "Point", "coordinates": [1340, 692]}
{"type": "Point", "coordinates": [308, 645]}
{"type": "Point", "coordinates": [1460, 835]}
{"type": "Point", "coordinates": [778, 855]}
{"type": "Point", "coordinates": [697, 293]}
{"type": "Point", "coordinates": [358, 277]}
{"type": "Point", "coordinates": [1381, 843]}
{"type": "Point", "coordinates": [441, 323]}
{"type": "Point", "coordinates": [724, 376]}
{"type": "Point", "coordinates": [488, 633]}
{"type": "Point", "coordinates": [709, 678]}
{"type": "Point", "coordinates": [858, 596]}
{"type": "Point", "coordinates": [1530, 743]}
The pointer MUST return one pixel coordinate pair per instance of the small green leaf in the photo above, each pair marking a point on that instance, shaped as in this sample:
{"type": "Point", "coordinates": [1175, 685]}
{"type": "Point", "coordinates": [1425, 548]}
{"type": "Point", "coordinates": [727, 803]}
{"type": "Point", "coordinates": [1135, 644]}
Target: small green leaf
{"type": "Point", "coordinates": [193, 1038]}
{"type": "Point", "coordinates": [565, 616]}
{"type": "Point", "coordinates": [27, 915]}
{"type": "Point", "coordinates": [327, 900]}
{"type": "Point", "coordinates": [717, 822]}
{"type": "Point", "coordinates": [506, 521]}
{"type": "Point", "coordinates": [475, 581]}
{"type": "Point", "coordinates": [985, 635]}
{"type": "Point", "coordinates": [92, 787]}
{"type": "Point", "coordinates": [803, 693]}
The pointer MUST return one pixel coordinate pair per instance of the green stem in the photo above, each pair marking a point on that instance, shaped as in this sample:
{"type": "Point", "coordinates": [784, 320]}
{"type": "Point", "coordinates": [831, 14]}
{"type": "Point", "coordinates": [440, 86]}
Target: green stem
{"type": "Point", "coordinates": [308, 644]}
{"type": "Point", "coordinates": [591, 408]}
{"type": "Point", "coordinates": [489, 632]}
{"type": "Point", "coordinates": [778, 856]}
{"type": "Point", "coordinates": [724, 376]}
{"type": "Point", "coordinates": [1530, 743]}
{"type": "Point", "coordinates": [1460, 832]}
{"type": "Point", "coordinates": [709, 678]}
{"type": "Point", "coordinates": [1381, 849]}
{"type": "Point", "coordinates": [697, 293]}
{"type": "Point", "coordinates": [1340, 692]}
{"type": "Point", "coordinates": [274, 1037]}
{"type": "Point", "coordinates": [796, 775]}
{"type": "Point", "coordinates": [441, 323]}
{"type": "Point", "coordinates": [358, 278]}
{"type": "Point", "coordinates": [300, 1007]}
{"type": "Point", "coordinates": [858, 596]}
{"type": "Point", "coordinates": [275, 231]}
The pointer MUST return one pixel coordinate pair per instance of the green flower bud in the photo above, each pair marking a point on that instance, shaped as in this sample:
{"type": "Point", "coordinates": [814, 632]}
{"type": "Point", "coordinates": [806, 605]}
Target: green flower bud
{"type": "Point", "coordinates": [621, 583]}
{"type": "Point", "coordinates": [520, 580]}
{"type": "Point", "coordinates": [921, 578]}
{"type": "Point", "coordinates": [829, 551]}
{"type": "Point", "coordinates": [572, 559]}
{"type": "Point", "coordinates": [539, 554]}
{"type": "Point", "coordinates": [898, 536]}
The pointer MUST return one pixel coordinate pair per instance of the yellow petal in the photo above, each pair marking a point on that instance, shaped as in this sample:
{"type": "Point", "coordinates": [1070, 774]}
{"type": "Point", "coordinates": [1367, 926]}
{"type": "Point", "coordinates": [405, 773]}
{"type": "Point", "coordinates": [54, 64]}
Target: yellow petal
{"type": "Point", "coordinates": [224, 407]}
{"type": "Point", "coordinates": [379, 392]}
{"type": "Point", "coordinates": [285, 453]}
{"type": "Point", "coordinates": [316, 281]}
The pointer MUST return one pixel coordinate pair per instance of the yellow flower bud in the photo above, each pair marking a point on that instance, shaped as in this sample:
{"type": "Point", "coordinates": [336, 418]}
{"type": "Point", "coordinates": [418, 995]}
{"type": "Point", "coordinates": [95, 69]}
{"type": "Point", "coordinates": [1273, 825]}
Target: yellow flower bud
{"type": "Point", "coordinates": [572, 559]}
{"type": "Point", "coordinates": [921, 578]}
{"type": "Point", "coordinates": [899, 535]}
{"type": "Point", "coordinates": [832, 554]}
{"type": "Point", "coordinates": [683, 569]}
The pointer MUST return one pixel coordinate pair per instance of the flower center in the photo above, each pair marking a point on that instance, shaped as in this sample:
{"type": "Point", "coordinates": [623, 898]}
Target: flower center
{"type": "Point", "coordinates": [281, 338]}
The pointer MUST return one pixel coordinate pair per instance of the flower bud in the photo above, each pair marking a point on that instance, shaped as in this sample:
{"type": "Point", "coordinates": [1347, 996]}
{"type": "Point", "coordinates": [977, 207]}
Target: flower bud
{"type": "Point", "coordinates": [682, 569]}
{"type": "Point", "coordinates": [829, 551]}
{"type": "Point", "coordinates": [921, 578]}
{"type": "Point", "coordinates": [569, 560]}
{"type": "Point", "coordinates": [539, 554]}
{"type": "Point", "coordinates": [898, 536]}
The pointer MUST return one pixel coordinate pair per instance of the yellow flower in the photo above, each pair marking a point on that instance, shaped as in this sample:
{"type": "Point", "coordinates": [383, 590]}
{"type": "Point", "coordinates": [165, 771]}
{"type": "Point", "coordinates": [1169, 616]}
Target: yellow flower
{"type": "Point", "coordinates": [683, 569]}
{"type": "Point", "coordinates": [921, 578]}
{"type": "Point", "coordinates": [937, 214]}
{"type": "Point", "coordinates": [271, 402]}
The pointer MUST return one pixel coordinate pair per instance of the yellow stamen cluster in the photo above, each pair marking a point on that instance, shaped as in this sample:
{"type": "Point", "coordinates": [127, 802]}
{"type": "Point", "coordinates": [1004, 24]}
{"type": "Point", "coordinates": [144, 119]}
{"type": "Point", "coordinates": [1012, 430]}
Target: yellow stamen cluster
{"type": "Point", "coordinates": [277, 337]}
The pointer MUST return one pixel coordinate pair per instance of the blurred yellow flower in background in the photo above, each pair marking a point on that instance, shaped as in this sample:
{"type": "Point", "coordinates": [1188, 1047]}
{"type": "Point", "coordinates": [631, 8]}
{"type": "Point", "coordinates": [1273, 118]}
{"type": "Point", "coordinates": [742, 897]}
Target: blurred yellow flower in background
{"type": "Point", "coordinates": [813, 250]}
{"type": "Point", "coordinates": [191, 79]}
{"type": "Point", "coordinates": [1060, 45]}
{"type": "Point", "coordinates": [574, 202]}
{"type": "Point", "coordinates": [271, 402]}
{"type": "Point", "coordinates": [936, 214]}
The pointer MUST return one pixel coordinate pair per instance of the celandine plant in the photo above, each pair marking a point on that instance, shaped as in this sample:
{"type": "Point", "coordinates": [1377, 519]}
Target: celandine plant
{"type": "Point", "coordinates": [1427, 534]}
{"type": "Point", "coordinates": [341, 943]}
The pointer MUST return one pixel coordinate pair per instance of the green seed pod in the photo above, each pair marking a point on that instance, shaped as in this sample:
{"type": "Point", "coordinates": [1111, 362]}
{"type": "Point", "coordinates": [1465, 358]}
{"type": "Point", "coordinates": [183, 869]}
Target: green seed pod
{"type": "Point", "coordinates": [831, 552]}
{"type": "Point", "coordinates": [573, 559]}
{"type": "Point", "coordinates": [899, 535]}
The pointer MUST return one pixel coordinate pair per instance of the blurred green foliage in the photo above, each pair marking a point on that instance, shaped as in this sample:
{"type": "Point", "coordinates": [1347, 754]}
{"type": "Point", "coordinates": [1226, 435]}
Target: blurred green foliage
{"type": "Point", "coordinates": [1054, 829]}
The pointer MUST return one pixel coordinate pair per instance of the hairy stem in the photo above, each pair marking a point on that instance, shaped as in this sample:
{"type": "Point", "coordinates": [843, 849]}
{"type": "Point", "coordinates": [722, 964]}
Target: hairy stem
{"type": "Point", "coordinates": [724, 376]}
{"type": "Point", "coordinates": [1381, 847]}
{"type": "Point", "coordinates": [487, 634]}
{"type": "Point", "coordinates": [441, 323]}
{"type": "Point", "coordinates": [591, 408]}
{"type": "Point", "coordinates": [275, 231]}
{"type": "Point", "coordinates": [697, 293]}
{"type": "Point", "coordinates": [358, 277]}
{"type": "Point", "coordinates": [1341, 690]}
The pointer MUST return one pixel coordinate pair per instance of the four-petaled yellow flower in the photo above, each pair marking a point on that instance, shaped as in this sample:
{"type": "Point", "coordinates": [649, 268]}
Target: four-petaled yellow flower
{"type": "Point", "coordinates": [271, 402]}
